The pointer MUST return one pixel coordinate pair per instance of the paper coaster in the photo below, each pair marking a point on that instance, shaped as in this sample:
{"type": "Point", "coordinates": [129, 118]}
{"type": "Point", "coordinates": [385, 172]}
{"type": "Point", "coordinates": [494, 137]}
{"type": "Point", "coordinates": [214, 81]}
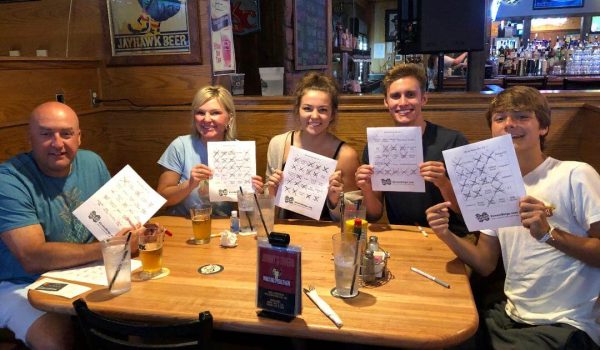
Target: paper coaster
{"type": "Point", "coordinates": [137, 276]}
{"type": "Point", "coordinates": [210, 269]}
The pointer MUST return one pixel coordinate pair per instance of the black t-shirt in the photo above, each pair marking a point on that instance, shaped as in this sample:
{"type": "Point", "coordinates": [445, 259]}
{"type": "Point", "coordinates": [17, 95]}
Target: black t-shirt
{"type": "Point", "coordinates": [408, 208]}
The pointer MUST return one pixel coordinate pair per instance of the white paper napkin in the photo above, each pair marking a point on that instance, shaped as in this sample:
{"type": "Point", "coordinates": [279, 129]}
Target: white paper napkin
{"type": "Point", "coordinates": [324, 307]}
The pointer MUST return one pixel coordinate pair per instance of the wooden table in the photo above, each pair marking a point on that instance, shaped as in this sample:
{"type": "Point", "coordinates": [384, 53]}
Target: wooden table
{"type": "Point", "coordinates": [409, 311]}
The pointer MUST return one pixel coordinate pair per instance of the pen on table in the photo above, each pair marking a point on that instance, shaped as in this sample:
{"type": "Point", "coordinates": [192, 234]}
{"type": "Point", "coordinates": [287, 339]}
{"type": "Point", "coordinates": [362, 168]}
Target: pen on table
{"type": "Point", "coordinates": [428, 276]}
{"type": "Point", "coordinates": [421, 229]}
{"type": "Point", "coordinates": [120, 262]}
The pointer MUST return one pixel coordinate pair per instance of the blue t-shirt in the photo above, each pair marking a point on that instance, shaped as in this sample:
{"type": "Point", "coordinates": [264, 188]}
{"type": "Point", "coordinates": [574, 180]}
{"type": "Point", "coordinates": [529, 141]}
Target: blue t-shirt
{"type": "Point", "coordinates": [29, 197]}
{"type": "Point", "coordinates": [181, 156]}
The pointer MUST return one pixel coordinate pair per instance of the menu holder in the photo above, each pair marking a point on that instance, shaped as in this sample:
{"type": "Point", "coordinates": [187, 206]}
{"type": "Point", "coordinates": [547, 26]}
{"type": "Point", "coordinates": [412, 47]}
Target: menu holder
{"type": "Point", "coordinates": [279, 281]}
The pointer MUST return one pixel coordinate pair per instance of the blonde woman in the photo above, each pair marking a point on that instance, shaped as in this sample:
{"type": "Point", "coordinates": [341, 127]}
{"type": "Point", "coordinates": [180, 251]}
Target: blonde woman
{"type": "Point", "coordinates": [183, 181]}
{"type": "Point", "coordinates": [315, 109]}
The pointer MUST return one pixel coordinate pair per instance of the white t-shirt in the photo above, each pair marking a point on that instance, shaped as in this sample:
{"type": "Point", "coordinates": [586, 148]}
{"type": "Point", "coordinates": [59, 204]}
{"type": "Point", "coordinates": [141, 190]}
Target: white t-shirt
{"type": "Point", "coordinates": [544, 285]}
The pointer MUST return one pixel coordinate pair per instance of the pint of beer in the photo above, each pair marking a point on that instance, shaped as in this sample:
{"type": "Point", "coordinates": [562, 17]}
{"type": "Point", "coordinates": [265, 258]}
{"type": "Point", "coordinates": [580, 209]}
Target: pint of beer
{"type": "Point", "coordinates": [151, 248]}
{"type": "Point", "coordinates": [201, 224]}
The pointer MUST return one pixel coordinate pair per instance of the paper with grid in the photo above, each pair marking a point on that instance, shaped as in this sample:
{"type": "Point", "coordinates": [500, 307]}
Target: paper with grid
{"type": "Point", "coordinates": [395, 154]}
{"type": "Point", "coordinates": [487, 182]}
{"type": "Point", "coordinates": [305, 182]}
{"type": "Point", "coordinates": [233, 164]}
{"type": "Point", "coordinates": [124, 201]}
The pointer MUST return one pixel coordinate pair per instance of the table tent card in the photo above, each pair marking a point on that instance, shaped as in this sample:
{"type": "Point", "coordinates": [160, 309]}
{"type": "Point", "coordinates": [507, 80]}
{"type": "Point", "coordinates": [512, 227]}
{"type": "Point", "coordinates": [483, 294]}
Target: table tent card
{"type": "Point", "coordinates": [487, 182]}
{"type": "Point", "coordinates": [395, 154]}
{"type": "Point", "coordinates": [279, 279]}
{"type": "Point", "coordinates": [123, 201]}
{"type": "Point", "coordinates": [305, 182]}
{"type": "Point", "coordinates": [233, 164]}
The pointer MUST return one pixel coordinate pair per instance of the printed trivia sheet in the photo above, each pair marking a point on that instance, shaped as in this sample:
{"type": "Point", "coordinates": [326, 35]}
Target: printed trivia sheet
{"type": "Point", "coordinates": [395, 154]}
{"type": "Point", "coordinates": [93, 273]}
{"type": "Point", "coordinates": [305, 182]}
{"type": "Point", "coordinates": [125, 200]}
{"type": "Point", "coordinates": [487, 182]}
{"type": "Point", "coordinates": [233, 164]}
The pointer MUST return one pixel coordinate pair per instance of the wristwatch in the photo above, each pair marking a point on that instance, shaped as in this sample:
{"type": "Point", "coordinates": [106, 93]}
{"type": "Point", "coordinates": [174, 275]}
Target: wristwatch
{"type": "Point", "coordinates": [548, 235]}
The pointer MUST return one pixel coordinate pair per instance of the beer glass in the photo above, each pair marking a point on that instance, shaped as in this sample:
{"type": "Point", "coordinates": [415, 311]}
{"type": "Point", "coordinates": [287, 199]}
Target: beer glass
{"type": "Point", "coordinates": [201, 224]}
{"type": "Point", "coordinates": [151, 250]}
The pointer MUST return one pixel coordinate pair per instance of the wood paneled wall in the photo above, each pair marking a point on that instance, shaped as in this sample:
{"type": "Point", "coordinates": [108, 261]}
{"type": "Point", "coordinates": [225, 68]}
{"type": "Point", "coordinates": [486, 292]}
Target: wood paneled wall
{"type": "Point", "coordinates": [55, 25]}
{"type": "Point", "coordinates": [66, 28]}
{"type": "Point", "coordinates": [138, 137]}
{"type": "Point", "coordinates": [27, 83]}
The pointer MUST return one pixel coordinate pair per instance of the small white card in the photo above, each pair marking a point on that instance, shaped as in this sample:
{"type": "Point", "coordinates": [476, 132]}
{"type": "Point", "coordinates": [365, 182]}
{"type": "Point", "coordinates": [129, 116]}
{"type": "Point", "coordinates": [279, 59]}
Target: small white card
{"type": "Point", "coordinates": [487, 181]}
{"type": "Point", "coordinates": [395, 154]}
{"type": "Point", "coordinates": [56, 287]}
{"type": "Point", "coordinates": [125, 200]}
{"type": "Point", "coordinates": [305, 182]}
{"type": "Point", "coordinates": [233, 164]}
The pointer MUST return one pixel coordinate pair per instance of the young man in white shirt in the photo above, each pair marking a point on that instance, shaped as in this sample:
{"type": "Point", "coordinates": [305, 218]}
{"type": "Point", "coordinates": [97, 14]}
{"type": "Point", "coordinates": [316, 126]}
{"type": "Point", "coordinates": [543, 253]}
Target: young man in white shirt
{"type": "Point", "coordinates": [552, 261]}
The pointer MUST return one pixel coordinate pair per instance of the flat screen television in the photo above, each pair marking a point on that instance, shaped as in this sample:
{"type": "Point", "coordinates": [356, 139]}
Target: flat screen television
{"type": "Point", "coordinates": [595, 24]}
{"type": "Point", "coordinates": [556, 4]}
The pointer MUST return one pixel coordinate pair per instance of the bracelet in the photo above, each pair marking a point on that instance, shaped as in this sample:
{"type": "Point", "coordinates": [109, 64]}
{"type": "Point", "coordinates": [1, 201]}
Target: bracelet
{"type": "Point", "coordinates": [548, 235]}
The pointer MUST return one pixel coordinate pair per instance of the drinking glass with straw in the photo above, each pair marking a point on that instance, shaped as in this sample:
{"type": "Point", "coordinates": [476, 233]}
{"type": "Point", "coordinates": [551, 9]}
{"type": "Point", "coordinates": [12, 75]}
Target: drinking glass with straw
{"type": "Point", "coordinates": [261, 215]}
{"type": "Point", "coordinates": [246, 207]}
{"type": "Point", "coordinates": [116, 255]}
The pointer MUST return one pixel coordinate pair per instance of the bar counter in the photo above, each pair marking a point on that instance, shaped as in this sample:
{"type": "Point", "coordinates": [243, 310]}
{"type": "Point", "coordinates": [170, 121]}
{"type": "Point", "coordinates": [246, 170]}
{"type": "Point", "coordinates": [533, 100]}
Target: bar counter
{"type": "Point", "coordinates": [409, 311]}
{"type": "Point", "coordinates": [543, 82]}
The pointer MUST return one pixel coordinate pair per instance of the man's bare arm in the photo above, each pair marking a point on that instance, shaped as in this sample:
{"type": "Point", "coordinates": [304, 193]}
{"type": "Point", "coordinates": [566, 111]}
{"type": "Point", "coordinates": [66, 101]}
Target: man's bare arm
{"type": "Point", "coordinates": [28, 244]}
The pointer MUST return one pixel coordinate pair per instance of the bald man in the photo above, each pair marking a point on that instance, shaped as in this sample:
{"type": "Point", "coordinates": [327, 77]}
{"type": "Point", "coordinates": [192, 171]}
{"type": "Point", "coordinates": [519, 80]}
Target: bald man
{"type": "Point", "coordinates": [38, 231]}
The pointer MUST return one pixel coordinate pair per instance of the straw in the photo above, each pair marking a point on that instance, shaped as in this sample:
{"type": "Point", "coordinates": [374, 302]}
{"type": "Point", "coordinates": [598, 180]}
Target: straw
{"type": "Point", "coordinates": [342, 218]}
{"type": "Point", "coordinates": [261, 216]}
{"type": "Point", "coordinates": [248, 216]}
{"type": "Point", "coordinates": [358, 232]}
{"type": "Point", "coordinates": [110, 285]}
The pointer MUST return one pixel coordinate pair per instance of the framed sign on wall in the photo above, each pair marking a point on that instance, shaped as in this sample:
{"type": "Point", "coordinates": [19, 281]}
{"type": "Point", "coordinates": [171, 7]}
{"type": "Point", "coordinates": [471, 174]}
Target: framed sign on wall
{"type": "Point", "coordinates": [151, 32]}
{"type": "Point", "coordinates": [390, 25]}
{"type": "Point", "coordinates": [311, 34]}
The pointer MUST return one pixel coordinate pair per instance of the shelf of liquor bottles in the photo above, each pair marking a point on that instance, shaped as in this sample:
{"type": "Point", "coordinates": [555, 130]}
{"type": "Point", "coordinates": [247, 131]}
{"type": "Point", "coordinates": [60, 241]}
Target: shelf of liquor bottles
{"type": "Point", "coordinates": [564, 56]}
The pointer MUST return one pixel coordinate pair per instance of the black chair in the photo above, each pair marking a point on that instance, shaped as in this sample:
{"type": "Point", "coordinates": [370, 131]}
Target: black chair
{"type": "Point", "coordinates": [104, 333]}
{"type": "Point", "coordinates": [539, 83]}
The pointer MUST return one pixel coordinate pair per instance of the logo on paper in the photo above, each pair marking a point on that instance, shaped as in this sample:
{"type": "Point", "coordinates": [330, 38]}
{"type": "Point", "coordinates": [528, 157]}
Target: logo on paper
{"type": "Point", "coordinates": [386, 181]}
{"type": "Point", "coordinates": [223, 192]}
{"type": "Point", "coordinates": [482, 217]}
{"type": "Point", "coordinates": [94, 217]}
{"type": "Point", "coordinates": [289, 199]}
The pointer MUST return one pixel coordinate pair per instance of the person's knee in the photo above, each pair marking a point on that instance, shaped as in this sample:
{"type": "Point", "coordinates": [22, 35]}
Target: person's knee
{"type": "Point", "coordinates": [51, 331]}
